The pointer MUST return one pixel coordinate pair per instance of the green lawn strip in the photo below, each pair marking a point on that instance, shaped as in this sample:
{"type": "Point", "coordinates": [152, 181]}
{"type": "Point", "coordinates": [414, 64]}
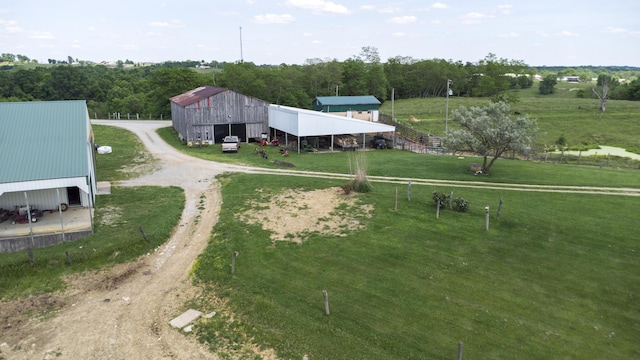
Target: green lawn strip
{"type": "Point", "coordinates": [555, 277]}
{"type": "Point", "coordinates": [116, 239]}
{"type": "Point", "coordinates": [411, 165]}
{"type": "Point", "coordinates": [127, 152]}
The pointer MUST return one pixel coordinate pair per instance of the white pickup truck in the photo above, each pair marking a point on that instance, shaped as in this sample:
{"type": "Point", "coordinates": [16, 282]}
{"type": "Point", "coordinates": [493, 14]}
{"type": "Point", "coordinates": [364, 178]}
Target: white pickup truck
{"type": "Point", "coordinates": [230, 144]}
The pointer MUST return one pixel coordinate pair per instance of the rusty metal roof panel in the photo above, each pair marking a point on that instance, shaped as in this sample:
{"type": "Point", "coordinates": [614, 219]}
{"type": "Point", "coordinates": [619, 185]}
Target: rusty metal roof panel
{"type": "Point", "coordinates": [195, 95]}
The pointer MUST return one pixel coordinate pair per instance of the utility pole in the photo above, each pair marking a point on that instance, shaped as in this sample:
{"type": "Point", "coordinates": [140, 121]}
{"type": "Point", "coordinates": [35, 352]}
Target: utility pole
{"type": "Point", "coordinates": [449, 92]}
{"type": "Point", "coordinates": [241, 58]}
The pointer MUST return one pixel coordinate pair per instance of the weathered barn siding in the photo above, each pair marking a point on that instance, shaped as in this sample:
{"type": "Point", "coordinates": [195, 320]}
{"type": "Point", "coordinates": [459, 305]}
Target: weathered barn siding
{"type": "Point", "coordinates": [245, 116]}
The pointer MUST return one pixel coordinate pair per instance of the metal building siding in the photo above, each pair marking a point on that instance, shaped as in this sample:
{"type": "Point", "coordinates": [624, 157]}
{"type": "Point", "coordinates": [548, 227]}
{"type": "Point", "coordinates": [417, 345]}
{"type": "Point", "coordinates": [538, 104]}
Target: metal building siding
{"type": "Point", "coordinates": [43, 140]}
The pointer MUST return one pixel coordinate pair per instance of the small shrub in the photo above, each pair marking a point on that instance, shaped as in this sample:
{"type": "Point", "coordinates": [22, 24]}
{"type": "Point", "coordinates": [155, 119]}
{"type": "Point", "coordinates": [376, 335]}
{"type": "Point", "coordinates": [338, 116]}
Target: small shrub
{"type": "Point", "coordinates": [361, 186]}
{"type": "Point", "coordinates": [461, 204]}
{"type": "Point", "coordinates": [442, 197]}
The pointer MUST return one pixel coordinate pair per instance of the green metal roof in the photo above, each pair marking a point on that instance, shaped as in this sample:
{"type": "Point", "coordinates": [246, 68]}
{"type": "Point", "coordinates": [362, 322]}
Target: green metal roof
{"type": "Point", "coordinates": [347, 100]}
{"type": "Point", "coordinates": [43, 140]}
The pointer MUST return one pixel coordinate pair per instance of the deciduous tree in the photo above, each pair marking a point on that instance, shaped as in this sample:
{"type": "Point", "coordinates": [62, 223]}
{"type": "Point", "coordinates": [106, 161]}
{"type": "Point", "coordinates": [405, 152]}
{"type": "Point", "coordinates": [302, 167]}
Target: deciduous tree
{"type": "Point", "coordinates": [548, 85]}
{"type": "Point", "coordinates": [490, 131]}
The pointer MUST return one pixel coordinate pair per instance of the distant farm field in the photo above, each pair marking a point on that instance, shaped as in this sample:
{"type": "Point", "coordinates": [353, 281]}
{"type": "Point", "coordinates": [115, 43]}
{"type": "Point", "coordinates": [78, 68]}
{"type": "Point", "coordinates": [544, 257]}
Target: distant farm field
{"type": "Point", "coordinates": [578, 120]}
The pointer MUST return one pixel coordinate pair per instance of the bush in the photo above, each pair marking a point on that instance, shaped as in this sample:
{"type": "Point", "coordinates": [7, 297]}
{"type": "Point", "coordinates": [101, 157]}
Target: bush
{"type": "Point", "coordinates": [440, 196]}
{"type": "Point", "coordinates": [361, 186]}
{"type": "Point", "coordinates": [461, 204]}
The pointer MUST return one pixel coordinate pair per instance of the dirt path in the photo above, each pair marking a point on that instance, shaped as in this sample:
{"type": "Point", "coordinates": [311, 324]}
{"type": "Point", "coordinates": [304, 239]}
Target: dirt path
{"type": "Point", "coordinates": [124, 313]}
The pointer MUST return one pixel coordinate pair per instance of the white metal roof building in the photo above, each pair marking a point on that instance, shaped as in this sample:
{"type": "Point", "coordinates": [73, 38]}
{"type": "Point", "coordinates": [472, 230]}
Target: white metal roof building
{"type": "Point", "coordinates": [302, 122]}
{"type": "Point", "coordinates": [46, 155]}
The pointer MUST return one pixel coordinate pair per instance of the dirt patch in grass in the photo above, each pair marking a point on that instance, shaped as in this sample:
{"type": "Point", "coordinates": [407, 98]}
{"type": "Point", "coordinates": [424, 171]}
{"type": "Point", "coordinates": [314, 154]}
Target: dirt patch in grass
{"type": "Point", "coordinates": [294, 215]}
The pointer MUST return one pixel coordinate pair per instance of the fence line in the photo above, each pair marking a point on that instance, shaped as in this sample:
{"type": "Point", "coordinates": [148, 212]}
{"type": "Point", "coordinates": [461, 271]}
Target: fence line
{"type": "Point", "coordinates": [130, 116]}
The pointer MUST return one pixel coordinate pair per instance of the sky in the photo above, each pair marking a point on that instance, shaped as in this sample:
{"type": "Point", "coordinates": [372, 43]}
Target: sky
{"type": "Point", "coordinates": [539, 33]}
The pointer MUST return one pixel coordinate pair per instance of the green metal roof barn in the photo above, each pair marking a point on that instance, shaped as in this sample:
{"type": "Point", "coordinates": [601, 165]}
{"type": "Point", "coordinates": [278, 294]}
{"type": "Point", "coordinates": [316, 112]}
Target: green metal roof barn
{"type": "Point", "coordinates": [46, 155]}
{"type": "Point", "coordinates": [345, 103]}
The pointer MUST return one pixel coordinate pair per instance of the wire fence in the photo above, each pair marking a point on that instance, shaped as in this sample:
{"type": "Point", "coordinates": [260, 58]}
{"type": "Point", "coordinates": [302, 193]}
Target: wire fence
{"type": "Point", "coordinates": [128, 116]}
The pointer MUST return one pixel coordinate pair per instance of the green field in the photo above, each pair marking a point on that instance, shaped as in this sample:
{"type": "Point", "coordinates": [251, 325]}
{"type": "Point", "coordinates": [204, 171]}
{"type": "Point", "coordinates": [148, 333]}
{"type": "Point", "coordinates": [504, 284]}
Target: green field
{"type": "Point", "coordinates": [578, 120]}
{"type": "Point", "coordinates": [557, 276]}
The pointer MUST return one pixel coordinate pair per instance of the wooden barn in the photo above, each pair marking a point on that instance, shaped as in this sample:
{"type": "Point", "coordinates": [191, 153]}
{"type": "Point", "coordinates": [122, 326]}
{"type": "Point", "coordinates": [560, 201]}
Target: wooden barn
{"type": "Point", "coordinates": [208, 114]}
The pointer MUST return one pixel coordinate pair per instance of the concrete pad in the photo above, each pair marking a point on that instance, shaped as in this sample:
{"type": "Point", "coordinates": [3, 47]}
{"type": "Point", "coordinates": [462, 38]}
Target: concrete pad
{"type": "Point", "coordinates": [103, 188]}
{"type": "Point", "coordinates": [186, 317]}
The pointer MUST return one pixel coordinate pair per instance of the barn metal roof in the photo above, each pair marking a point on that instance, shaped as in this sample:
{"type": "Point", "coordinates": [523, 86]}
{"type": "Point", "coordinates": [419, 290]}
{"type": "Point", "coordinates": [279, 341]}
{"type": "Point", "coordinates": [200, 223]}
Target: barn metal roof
{"type": "Point", "coordinates": [303, 122]}
{"type": "Point", "coordinates": [195, 95]}
{"type": "Point", "coordinates": [43, 140]}
{"type": "Point", "coordinates": [347, 100]}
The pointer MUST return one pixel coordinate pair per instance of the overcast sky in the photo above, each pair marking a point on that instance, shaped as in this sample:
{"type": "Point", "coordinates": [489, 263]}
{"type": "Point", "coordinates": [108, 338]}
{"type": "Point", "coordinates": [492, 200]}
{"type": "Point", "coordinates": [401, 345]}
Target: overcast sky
{"type": "Point", "coordinates": [540, 32]}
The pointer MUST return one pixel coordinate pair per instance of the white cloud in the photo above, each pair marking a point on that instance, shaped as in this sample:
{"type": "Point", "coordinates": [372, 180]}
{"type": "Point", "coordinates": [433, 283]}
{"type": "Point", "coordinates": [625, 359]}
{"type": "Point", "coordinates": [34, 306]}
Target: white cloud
{"type": "Point", "coordinates": [382, 10]}
{"type": "Point", "coordinates": [566, 33]}
{"type": "Point", "coordinates": [163, 24]}
{"type": "Point", "coordinates": [439, 6]}
{"type": "Point", "coordinates": [319, 6]}
{"type": "Point", "coordinates": [128, 47]}
{"type": "Point", "coordinates": [10, 26]}
{"type": "Point", "coordinates": [505, 9]}
{"type": "Point", "coordinates": [511, 35]}
{"type": "Point", "coordinates": [474, 18]}
{"type": "Point", "coordinates": [403, 20]}
{"type": "Point", "coordinates": [273, 19]}
{"type": "Point", "coordinates": [615, 30]}
{"type": "Point", "coordinates": [42, 35]}
{"type": "Point", "coordinates": [398, 34]}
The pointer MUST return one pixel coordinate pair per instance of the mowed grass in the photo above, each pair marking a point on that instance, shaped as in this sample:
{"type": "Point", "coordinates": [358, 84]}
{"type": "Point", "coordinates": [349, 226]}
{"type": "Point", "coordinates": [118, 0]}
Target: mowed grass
{"type": "Point", "coordinates": [116, 239]}
{"type": "Point", "coordinates": [557, 276]}
{"type": "Point", "coordinates": [396, 163]}
{"type": "Point", "coordinates": [578, 120]}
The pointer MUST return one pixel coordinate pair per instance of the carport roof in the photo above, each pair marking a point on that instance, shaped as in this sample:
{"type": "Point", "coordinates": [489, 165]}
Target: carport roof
{"type": "Point", "coordinates": [303, 122]}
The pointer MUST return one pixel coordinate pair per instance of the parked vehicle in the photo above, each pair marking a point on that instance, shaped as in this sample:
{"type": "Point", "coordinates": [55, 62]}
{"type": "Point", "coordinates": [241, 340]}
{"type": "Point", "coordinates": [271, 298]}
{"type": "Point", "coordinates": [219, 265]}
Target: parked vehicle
{"type": "Point", "coordinates": [378, 142]}
{"type": "Point", "coordinates": [230, 144]}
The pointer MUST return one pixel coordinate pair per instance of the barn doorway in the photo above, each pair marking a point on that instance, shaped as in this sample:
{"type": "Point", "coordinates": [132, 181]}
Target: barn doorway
{"type": "Point", "coordinates": [73, 195]}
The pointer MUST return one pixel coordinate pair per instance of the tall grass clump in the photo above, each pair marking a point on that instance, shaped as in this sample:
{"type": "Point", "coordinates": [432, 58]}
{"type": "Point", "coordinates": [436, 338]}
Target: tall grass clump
{"type": "Point", "coordinates": [358, 166]}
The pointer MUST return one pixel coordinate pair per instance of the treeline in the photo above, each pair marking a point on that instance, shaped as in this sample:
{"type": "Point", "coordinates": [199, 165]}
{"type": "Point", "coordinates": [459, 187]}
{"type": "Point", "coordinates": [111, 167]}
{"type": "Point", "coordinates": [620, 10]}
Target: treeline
{"type": "Point", "coordinates": [146, 90]}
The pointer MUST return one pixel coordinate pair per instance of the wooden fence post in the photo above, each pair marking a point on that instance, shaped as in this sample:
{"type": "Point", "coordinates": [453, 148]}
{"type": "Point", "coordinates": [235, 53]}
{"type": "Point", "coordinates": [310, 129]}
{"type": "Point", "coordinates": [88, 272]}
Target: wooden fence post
{"type": "Point", "coordinates": [325, 294]}
{"type": "Point", "coordinates": [438, 210]}
{"type": "Point", "coordinates": [30, 255]}
{"type": "Point", "coordinates": [451, 201]}
{"type": "Point", "coordinates": [68, 257]}
{"type": "Point", "coordinates": [499, 208]}
{"type": "Point", "coordinates": [459, 350]}
{"type": "Point", "coordinates": [409, 191]}
{"type": "Point", "coordinates": [579, 156]}
{"type": "Point", "coordinates": [486, 223]}
{"type": "Point", "coordinates": [395, 208]}
{"type": "Point", "coordinates": [144, 235]}
{"type": "Point", "coordinates": [233, 262]}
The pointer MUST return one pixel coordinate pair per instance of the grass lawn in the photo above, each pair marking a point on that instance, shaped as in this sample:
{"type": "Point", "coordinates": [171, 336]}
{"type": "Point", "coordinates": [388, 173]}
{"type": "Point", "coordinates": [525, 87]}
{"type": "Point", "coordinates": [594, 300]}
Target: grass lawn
{"type": "Point", "coordinates": [557, 276]}
{"type": "Point", "coordinates": [407, 164]}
